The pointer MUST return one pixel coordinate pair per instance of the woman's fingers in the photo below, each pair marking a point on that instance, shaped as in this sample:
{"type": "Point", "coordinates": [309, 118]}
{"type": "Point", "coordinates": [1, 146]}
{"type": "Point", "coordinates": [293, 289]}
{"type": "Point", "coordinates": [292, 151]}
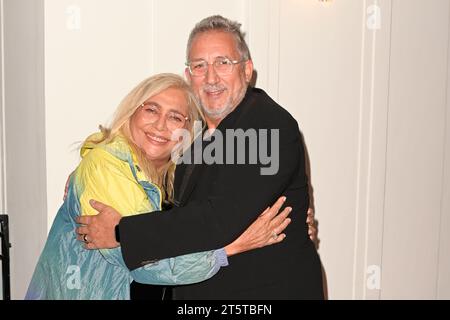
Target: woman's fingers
{"type": "Point", "coordinates": [281, 217]}
{"type": "Point", "coordinates": [278, 239]}
{"type": "Point", "coordinates": [310, 217]}
{"type": "Point", "coordinates": [273, 211]}
{"type": "Point", "coordinates": [280, 228]}
{"type": "Point", "coordinates": [265, 211]}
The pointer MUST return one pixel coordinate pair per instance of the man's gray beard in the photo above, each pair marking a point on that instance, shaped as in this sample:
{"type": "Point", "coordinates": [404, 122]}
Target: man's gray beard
{"type": "Point", "coordinates": [219, 114]}
{"type": "Point", "coordinates": [216, 114]}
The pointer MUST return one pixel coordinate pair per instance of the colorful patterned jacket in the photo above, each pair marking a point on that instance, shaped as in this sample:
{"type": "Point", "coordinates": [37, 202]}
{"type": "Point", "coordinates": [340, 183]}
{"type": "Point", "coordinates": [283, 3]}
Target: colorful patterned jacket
{"type": "Point", "coordinates": [65, 270]}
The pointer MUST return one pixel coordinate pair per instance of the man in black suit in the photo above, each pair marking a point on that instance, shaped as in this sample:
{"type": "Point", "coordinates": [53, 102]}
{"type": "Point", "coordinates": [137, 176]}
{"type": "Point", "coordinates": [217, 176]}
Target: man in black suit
{"type": "Point", "coordinates": [217, 201]}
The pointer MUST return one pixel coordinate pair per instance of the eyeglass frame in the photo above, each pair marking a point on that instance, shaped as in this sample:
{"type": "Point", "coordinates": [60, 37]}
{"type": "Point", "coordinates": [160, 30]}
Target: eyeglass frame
{"type": "Point", "coordinates": [186, 118]}
{"type": "Point", "coordinates": [233, 63]}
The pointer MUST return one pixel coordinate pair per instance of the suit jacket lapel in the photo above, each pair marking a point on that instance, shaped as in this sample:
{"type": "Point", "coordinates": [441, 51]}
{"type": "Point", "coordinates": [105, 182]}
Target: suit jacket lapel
{"type": "Point", "coordinates": [186, 177]}
{"type": "Point", "coordinates": [189, 182]}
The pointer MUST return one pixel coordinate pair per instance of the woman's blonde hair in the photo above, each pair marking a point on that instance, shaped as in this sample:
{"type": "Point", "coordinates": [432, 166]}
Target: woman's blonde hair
{"type": "Point", "coordinates": [164, 176]}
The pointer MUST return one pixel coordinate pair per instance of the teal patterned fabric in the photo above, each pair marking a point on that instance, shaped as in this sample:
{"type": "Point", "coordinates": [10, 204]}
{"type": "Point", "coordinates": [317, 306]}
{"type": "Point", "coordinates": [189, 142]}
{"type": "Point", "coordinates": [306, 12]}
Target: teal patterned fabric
{"type": "Point", "coordinates": [66, 270]}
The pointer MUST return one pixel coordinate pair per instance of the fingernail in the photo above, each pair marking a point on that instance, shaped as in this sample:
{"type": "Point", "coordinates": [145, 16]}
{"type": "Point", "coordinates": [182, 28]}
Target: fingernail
{"type": "Point", "coordinates": [92, 201]}
{"type": "Point", "coordinates": [284, 199]}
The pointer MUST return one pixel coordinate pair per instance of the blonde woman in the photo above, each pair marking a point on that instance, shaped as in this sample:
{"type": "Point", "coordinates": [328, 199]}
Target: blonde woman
{"type": "Point", "coordinates": [128, 167]}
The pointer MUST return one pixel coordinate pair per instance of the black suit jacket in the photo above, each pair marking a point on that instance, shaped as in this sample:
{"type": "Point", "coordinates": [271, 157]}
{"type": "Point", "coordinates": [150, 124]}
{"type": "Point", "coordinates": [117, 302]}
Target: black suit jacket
{"type": "Point", "coordinates": [219, 201]}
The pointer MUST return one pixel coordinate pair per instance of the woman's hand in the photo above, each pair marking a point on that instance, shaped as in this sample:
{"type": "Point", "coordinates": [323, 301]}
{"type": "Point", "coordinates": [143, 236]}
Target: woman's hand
{"type": "Point", "coordinates": [312, 227]}
{"type": "Point", "coordinates": [265, 230]}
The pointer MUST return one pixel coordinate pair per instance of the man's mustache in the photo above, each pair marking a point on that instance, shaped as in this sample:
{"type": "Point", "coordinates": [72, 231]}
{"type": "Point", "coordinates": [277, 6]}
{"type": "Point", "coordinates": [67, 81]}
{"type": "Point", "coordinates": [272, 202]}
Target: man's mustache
{"type": "Point", "coordinates": [208, 88]}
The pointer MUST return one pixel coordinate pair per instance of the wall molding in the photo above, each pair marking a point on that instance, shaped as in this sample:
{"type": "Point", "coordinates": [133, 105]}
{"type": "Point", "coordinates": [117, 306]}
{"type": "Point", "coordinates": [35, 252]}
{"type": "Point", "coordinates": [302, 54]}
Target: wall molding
{"type": "Point", "coordinates": [443, 278]}
{"type": "Point", "coordinates": [25, 142]}
{"type": "Point", "coordinates": [274, 47]}
{"type": "Point", "coordinates": [3, 197]}
{"type": "Point", "coordinates": [153, 32]}
{"type": "Point", "coordinates": [373, 125]}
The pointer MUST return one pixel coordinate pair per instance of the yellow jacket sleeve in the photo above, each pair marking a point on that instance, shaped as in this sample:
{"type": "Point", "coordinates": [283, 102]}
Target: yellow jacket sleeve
{"type": "Point", "coordinates": [107, 179]}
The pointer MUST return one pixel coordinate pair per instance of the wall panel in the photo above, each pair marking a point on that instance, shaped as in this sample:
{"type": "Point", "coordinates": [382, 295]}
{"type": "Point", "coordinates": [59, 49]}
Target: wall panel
{"type": "Point", "coordinates": [417, 115]}
{"type": "Point", "coordinates": [319, 45]}
{"type": "Point", "coordinates": [95, 53]}
{"type": "Point", "coordinates": [25, 136]}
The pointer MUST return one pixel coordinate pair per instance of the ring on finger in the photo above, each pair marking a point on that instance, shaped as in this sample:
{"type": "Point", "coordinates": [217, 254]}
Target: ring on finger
{"type": "Point", "coordinates": [274, 235]}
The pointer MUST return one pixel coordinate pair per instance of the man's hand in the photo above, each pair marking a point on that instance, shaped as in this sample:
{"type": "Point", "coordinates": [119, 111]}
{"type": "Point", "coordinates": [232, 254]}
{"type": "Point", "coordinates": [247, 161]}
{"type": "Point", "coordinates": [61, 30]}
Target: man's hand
{"type": "Point", "coordinates": [97, 232]}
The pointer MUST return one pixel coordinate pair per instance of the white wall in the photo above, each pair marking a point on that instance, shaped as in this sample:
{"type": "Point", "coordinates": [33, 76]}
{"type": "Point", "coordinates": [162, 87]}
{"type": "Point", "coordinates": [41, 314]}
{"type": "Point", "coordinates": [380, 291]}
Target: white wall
{"type": "Point", "coordinates": [2, 123]}
{"type": "Point", "coordinates": [24, 136]}
{"type": "Point", "coordinates": [444, 232]}
{"type": "Point", "coordinates": [415, 149]}
{"type": "Point", "coordinates": [369, 92]}
{"type": "Point", "coordinates": [327, 46]}
{"type": "Point", "coordinates": [88, 71]}
{"type": "Point", "coordinates": [2, 127]}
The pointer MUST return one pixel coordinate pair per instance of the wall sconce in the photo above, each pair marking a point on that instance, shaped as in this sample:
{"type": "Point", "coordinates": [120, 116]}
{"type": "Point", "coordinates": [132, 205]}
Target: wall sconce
{"type": "Point", "coordinates": [325, 3]}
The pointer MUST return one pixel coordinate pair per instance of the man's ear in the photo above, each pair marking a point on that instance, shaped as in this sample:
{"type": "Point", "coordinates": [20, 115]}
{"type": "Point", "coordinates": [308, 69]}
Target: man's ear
{"type": "Point", "coordinates": [187, 74]}
{"type": "Point", "coordinates": [248, 69]}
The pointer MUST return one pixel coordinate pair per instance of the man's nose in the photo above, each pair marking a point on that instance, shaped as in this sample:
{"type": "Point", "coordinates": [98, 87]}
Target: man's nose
{"type": "Point", "coordinates": [211, 75]}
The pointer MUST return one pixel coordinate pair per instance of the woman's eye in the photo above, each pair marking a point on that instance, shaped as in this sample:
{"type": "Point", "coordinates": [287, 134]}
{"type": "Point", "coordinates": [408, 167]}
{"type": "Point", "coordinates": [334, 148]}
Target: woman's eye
{"type": "Point", "coordinates": [152, 110]}
{"type": "Point", "coordinates": [175, 118]}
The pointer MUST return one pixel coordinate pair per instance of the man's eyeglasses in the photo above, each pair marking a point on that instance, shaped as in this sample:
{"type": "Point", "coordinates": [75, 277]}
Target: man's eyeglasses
{"type": "Point", "coordinates": [152, 113]}
{"type": "Point", "coordinates": [222, 65]}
